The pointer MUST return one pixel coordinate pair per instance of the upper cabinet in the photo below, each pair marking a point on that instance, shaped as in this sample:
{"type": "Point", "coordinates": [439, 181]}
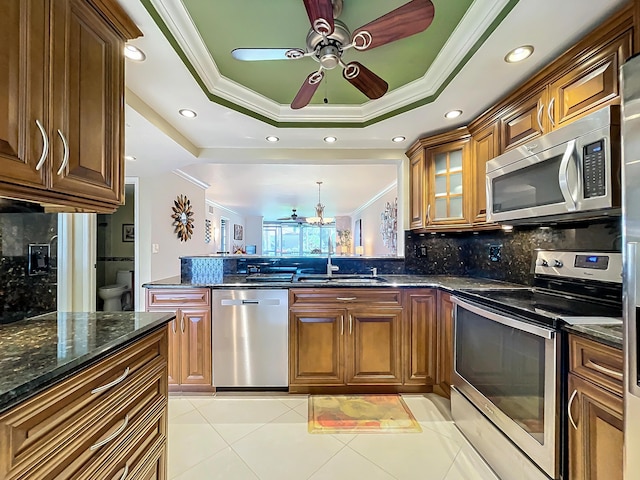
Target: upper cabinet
{"type": "Point", "coordinates": [440, 176]}
{"type": "Point", "coordinates": [62, 101]}
{"type": "Point", "coordinates": [448, 171]}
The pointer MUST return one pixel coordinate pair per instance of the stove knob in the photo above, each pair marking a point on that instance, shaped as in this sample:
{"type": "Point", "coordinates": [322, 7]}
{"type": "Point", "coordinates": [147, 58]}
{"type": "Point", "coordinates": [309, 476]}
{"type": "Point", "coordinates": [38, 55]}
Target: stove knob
{"type": "Point", "coordinates": [557, 263]}
{"type": "Point", "coordinates": [541, 262]}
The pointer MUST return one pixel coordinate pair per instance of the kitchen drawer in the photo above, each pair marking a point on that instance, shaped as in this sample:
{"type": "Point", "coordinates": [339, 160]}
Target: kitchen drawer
{"type": "Point", "coordinates": [47, 431]}
{"type": "Point", "coordinates": [596, 362]}
{"type": "Point", "coordinates": [130, 455]}
{"type": "Point", "coordinates": [339, 296]}
{"type": "Point", "coordinates": [178, 297]}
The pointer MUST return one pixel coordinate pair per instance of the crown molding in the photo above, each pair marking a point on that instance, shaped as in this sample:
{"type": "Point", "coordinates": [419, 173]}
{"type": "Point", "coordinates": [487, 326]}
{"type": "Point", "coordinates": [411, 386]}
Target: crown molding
{"type": "Point", "coordinates": [191, 179]}
{"type": "Point", "coordinates": [374, 199]}
{"type": "Point", "coordinates": [474, 25]}
{"type": "Point", "coordinates": [221, 207]}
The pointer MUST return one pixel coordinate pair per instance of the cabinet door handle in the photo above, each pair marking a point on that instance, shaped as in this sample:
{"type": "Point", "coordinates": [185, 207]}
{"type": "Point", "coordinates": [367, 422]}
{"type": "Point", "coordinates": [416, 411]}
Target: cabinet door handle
{"type": "Point", "coordinates": [120, 429]}
{"type": "Point", "coordinates": [341, 324]}
{"type": "Point", "coordinates": [428, 214]}
{"type": "Point", "coordinates": [125, 473]}
{"type": "Point", "coordinates": [540, 110]}
{"type": "Point", "coordinates": [550, 112]}
{"type": "Point", "coordinates": [107, 386]}
{"type": "Point", "coordinates": [173, 324]}
{"type": "Point", "coordinates": [346, 299]}
{"type": "Point", "coordinates": [573, 396]}
{"type": "Point", "coordinates": [605, 370]}
{"type": "Point", "coordinates": [45, 145]}
{"type": "Point", "coordinates": [182, 323]}
{"type": "Point", "coordinates": [65, 155]}
{"type": "Point", "coordinates": [350, 324]}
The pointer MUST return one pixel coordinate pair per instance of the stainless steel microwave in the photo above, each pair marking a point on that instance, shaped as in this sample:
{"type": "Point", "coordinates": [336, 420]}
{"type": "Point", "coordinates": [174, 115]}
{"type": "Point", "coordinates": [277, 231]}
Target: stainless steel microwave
{"type": "Point", "coordinates": [572, 172]}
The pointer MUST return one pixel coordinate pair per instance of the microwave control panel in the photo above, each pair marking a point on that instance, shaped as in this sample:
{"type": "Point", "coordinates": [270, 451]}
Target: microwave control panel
{"type": "Point", "coordinates": [593, 168]}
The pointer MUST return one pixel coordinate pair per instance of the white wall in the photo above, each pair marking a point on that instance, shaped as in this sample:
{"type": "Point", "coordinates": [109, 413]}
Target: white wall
{"type": "Point", "coordinates": [253, 232]}
{"type": "Point", "coordinates": [370, 216]}
{"type": "Point", "coordinates": [156, 197]}
{"type": "Point", "coordinates": [214, 213]}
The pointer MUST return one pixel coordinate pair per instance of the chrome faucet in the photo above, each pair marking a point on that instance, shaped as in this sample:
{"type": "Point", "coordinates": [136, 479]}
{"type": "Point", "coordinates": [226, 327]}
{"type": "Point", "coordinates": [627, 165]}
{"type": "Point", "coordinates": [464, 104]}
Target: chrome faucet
{"type": "Point", "coordinates": [330, 267]}
{"type": "Point", "coordinates": [374, 272]}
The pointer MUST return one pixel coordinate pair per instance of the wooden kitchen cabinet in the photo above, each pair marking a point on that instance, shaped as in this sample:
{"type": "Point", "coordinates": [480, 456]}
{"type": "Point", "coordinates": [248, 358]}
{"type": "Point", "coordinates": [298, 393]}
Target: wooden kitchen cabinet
{"type": "Point", "coordinates": [108, 417]}
{"type": "Point", "coordinates": [62, 88]}
{"type": "Point", "coordinates": [420, 336]}
{"type": "Point", "coordinates": [524, 120]}
{"type": "Point", "coordinates": [595, 409]}
{"type": "Point", "coordinates": [485, 145]}
{"type": "Point", "coordinates": [445, 345]}
{"type": "Point", "coordinates": [441, 194]}
{"type": "Point", "coordinates": [190, 365]}
{"type": "Point", "coordinates": [344, 337]}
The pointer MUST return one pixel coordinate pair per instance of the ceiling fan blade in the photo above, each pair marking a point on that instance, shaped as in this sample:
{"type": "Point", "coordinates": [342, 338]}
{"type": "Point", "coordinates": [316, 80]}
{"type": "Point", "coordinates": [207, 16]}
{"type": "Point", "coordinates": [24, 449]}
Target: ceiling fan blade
{"type": "Point", "coordinates": [307, 90]}
{"type": "Point", "coordinates": [404, 21]}
{"type": "Point", "coordinates": [256, 54]}
{"type": "Point", "coordinates": [365, 80]}
{"type": "Point", "coordinates": [320, 14]}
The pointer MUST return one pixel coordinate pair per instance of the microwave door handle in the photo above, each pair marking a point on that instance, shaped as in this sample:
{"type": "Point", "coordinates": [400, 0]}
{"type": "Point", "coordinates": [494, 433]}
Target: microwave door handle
{"type": "Point", "coordinates": [489, 190]}
{"type": "Point", "coordinates": [563, 176]}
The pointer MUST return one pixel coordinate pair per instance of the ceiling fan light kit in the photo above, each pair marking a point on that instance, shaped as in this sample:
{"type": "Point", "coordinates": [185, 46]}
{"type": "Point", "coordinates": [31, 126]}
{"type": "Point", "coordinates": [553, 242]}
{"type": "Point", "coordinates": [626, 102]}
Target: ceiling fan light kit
{"type": "Point", "coordinates": [329, 38]}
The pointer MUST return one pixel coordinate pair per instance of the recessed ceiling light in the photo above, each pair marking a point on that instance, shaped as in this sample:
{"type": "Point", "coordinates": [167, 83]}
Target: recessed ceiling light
{"type": "Point", "coordinates": [398, 139]}
{"type": "Point", "coordinates": [330, 139]}
{"type": "Point", "coordinates": [272, 138]}
{"type": "Point", "coordinates": [131, 158]}
{"type": "Point", "coordinates": [519, 54]}
{"type": "Point", "coordinates": [134, 53]}
{"type": "Point", "coordinates": [185, 112]}
{"type": "Point", "coordinates": [453, 114]}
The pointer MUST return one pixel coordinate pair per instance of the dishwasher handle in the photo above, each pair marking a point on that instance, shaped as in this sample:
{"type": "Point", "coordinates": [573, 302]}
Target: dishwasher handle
{"type": "Point", "coordinates": [238, 302]}
{"type": "Point", "coordinates": [250, 302]}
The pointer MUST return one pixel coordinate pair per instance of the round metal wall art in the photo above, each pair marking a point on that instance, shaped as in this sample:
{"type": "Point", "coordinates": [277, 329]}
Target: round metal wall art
{"type": "Point", "coordinates": [182, 218]}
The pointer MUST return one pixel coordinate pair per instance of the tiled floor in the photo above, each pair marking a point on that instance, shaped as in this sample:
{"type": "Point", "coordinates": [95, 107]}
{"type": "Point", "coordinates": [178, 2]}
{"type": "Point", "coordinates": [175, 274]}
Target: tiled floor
{"type": "Point", "coordinates": [239, 437]}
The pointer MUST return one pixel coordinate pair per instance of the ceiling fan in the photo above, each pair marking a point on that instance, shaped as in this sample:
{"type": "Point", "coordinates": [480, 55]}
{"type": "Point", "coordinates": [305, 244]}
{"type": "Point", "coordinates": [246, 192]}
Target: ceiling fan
{"type": "Point", "coordinates": [294, 217]}
{"type": "Point", "coordinates": [329, 38]}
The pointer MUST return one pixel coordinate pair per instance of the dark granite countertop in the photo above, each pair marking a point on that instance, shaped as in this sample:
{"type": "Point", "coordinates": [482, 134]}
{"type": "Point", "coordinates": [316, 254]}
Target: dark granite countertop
{"type": "Point", "coordinates": [39, 351]}
{"type": "Point", "coordinates": [445, 282]}
{"type": "Point", "coordinates": [608, 334]}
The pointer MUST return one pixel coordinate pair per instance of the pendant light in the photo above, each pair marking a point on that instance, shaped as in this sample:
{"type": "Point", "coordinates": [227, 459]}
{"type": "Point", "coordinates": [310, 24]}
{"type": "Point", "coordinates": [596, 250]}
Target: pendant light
{"type": "Point", "coordinates": [319, 219]}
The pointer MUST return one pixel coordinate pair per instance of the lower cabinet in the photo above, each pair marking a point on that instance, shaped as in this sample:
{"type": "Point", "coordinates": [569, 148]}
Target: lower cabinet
{"type": "Point", "coordinates": [420, 336]}
{"type": "Point", "coordinates": [344, 337]}
{"type": "Point", "coordinates": [190, 364]}
{"type": "Point", "coordinates": [445, 345]}
{"type": "Point", "coordinates": [109, 421]}
{"type": "Point", "coordinates": [595, 411]}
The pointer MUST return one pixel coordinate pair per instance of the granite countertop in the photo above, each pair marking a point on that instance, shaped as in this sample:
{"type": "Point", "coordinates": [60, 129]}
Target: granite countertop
{"type": "Point", "coordinates": [445, 282]}
{"type": "Point", "coordinates": [608, 334]}
{"type": "Point", "coordinates": [39, 351]}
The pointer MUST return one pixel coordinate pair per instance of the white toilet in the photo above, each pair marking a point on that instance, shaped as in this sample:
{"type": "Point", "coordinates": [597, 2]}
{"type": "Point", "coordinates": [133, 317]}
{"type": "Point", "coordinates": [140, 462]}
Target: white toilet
{"type": "Point", "coordinates": [116, 295]}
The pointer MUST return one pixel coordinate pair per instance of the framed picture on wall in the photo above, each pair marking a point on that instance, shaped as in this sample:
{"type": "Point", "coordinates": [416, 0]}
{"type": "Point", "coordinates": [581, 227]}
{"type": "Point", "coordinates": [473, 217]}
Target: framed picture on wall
{"type": "Point", "coordinates": [237, 232]}
{"type": "Point", "coordinates": [128, 232]}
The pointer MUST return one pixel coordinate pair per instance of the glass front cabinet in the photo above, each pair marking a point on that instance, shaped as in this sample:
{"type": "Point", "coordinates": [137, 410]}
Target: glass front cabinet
{"type": "Point", "coordinates": [446, 198]}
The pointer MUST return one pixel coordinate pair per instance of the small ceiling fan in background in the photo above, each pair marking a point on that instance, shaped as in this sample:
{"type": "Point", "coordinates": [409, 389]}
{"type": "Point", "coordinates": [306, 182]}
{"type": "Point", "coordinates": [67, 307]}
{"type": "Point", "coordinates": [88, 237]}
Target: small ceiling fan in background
{"type": "Point", "coordinates": [329, 38]}
{"type": "Point", "coordinates": [294, 217]}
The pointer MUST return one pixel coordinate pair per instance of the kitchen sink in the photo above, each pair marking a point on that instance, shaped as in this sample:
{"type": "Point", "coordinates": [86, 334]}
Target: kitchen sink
{"type": "Point", "coordinates": [339, 279]}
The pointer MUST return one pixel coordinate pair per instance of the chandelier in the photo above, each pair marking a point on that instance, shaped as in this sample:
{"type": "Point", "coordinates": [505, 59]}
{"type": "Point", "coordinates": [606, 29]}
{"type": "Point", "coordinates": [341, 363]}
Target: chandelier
{"type": "Point", "coordinates": [319, 219]}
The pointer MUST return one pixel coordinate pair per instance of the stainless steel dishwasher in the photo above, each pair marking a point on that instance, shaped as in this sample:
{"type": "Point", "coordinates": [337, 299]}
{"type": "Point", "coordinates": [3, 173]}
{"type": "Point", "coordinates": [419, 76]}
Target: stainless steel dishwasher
{"type": "Point", "coordinates": [250, 338]}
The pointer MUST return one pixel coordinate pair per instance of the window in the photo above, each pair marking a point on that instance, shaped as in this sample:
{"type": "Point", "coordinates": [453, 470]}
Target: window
{"type": "Point", "coordinates": [224, 235]}
{"type": "Point", "coordinates": [297, 239]}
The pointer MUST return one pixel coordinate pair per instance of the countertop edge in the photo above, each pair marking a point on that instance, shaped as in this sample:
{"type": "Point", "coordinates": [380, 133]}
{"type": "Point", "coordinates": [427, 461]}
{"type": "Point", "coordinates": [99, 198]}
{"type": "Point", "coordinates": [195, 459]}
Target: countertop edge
{"type": "Point", "coordinates": [39, 384]}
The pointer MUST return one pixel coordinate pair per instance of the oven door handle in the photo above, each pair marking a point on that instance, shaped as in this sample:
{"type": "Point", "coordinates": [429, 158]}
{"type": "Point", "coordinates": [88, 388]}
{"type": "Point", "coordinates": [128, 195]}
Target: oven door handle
{"type": "Point", "coordinates": [509, 322]}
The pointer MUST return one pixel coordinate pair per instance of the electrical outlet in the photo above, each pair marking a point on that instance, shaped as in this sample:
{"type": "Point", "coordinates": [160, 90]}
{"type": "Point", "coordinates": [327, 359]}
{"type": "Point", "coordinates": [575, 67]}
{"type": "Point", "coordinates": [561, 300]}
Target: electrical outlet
{"type": "Point", "coordinates": [421, 251]}
{"type": "Point", "coordinates": [155, 248]}
{"type": "Point", "coordinates": [495, 253]}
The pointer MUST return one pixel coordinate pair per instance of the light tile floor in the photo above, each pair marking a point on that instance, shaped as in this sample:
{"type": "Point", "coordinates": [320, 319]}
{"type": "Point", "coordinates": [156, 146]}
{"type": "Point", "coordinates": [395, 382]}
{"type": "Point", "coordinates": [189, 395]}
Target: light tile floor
{"type": "Point", "coordinates": [250, 437]}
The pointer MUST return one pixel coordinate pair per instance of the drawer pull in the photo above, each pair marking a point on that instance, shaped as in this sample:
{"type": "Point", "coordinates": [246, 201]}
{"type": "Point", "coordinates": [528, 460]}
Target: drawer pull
{"type": "Point", "coordinates": [173, 325]}
{"type": "Point", "coordinates": [350, 324]}
{"type": "Point", "coordinates": [605, 370]}
{"type": "Point", "coordinates": [341, 324]}
{"type": "Point", "coordinates": [125, 473]}
{"type": "Point", "coordinates": [573, 396]}
{"type": "Point", "coordinates": [346, 299]}
{"type": "Point", "coordinates": [65, 155]}
{"type": "Point", "coordinates": [176, 299]}
{"type": "Point", "coordinates": [182, 323]}
{"type": "Point", "coordinates": [120, 429]}
{"type": "Point", "coordinates": [111, 384]}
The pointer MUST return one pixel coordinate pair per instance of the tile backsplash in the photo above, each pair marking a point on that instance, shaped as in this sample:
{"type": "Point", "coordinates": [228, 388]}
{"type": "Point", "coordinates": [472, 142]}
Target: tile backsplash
{"type": "Point", "coordinates": [469, 253]}
{"type": "Point", "coordinates": [23, 294]}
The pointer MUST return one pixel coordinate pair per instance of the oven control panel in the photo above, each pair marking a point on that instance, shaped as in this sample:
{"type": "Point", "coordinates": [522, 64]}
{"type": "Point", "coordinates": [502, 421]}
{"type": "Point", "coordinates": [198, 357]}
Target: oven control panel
{"type": "Point", "coordinates": [599, 266]}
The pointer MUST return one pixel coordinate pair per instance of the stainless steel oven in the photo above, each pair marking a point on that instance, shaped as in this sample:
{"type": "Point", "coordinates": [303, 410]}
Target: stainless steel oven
{"type": "Point", "coordinates": [571, 172]}
{"type": "Point", "coordinates": [508, 396]}
{"type": "Point", "coordinates": [509, 369]}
